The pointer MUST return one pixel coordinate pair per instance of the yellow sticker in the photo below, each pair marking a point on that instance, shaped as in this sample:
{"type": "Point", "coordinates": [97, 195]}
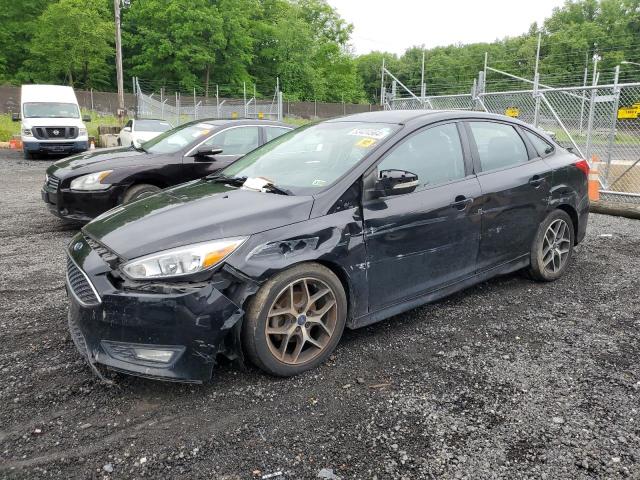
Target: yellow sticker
{"type": "Point", "coordinates": [365, 142]}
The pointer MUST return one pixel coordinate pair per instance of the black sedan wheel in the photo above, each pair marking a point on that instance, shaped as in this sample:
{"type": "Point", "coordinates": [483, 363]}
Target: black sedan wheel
{"type": "Point", "coordinates": [553, 247]}
{"type": "Point", "coordinates": [139, 191]}
{"type": "Point", "coordinates": [295, 320]}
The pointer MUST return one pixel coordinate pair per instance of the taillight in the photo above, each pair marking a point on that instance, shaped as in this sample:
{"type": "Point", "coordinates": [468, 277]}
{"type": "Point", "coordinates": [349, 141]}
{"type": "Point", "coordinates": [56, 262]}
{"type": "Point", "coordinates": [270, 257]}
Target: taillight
{"type": "Point", "coordinates": [583, 166]}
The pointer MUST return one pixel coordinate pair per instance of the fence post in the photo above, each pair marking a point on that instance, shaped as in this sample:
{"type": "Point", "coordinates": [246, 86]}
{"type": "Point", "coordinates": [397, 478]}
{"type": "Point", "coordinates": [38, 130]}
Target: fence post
{"type": "Point", "coordinates": [614, 120]}
{"type": "Point", "coordinates": [217, 103]}
{"type": "Point", "coordinates": [195, 105]}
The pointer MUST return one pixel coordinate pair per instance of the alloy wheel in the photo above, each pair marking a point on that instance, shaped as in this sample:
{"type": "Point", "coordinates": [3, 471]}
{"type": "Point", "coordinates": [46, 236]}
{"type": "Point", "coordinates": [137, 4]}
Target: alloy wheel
{"type": "Point", "coordinates": [556, 246]}
{"type": "Point", "coordinates": [301, 321]}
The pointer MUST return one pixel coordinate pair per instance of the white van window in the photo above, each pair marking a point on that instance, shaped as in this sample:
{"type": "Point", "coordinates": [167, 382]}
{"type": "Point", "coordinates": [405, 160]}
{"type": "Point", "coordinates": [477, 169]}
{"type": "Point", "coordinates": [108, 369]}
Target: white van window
{"type": "Point", "coordinates": [50, 110]}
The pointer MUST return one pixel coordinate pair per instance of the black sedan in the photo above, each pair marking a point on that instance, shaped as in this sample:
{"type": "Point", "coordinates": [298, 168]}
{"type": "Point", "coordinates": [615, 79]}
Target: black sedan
{"type": "Point", "coordinates": [339, 224]}
{"type": "Point", "coordinates": [83, 186]}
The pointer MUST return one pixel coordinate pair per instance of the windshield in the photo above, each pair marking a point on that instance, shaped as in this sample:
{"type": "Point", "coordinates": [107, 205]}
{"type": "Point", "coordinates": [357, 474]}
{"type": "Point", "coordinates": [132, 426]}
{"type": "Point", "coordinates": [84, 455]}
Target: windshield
{"type": "Point", "coordinates": [51, 110]}
{"type": "Point", "coordinates": [152, 126]}
{"type": "Point", "coordinates": [311, 158]}
{"type": "Point", "coordinates": [175, 140]}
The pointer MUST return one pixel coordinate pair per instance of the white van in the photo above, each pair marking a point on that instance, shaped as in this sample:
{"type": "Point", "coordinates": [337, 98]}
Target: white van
{"type": "Point", "coordinates": [51, 121]}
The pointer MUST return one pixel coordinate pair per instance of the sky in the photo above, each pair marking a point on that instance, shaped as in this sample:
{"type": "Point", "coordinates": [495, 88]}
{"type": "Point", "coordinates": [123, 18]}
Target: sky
{"type": "Point", "coordinates": [396, 25]}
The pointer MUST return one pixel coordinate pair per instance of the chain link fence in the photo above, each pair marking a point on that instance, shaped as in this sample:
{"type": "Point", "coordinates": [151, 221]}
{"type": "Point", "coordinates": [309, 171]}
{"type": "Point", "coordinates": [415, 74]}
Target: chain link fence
{"type": "Point", "coordinates": [600, 123]}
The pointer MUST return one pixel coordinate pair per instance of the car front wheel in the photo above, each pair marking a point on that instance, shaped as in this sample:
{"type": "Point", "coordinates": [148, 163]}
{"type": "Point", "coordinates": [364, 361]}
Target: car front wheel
{"type": "Point", "coordinates": [295, 320]}
{"type": "Point", "coordinates": [137, 192]}
{"type": "Point", "coordinates": [553, 247]}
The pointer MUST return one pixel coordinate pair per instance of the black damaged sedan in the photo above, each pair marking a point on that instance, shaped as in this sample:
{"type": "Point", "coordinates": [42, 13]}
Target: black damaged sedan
{"type": "Point", "coordinates": [339, 224]}
{"type": "Point", "coordinates": [81, 187]}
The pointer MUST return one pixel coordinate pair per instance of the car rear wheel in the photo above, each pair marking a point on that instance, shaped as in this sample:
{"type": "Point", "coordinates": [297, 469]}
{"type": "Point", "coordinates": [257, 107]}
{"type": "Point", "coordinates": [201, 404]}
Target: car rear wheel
{"type": "Point", "coordinates": [137, 192]}
{"type": "Point", "coordinates": [295, 320]}
{"type": "Point", "coordinates": [552, 248]}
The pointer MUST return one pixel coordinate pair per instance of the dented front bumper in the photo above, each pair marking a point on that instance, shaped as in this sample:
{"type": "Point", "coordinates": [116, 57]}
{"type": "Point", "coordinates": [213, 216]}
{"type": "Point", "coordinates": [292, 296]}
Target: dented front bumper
{"type": "Point", "coordinates": [121, 329]}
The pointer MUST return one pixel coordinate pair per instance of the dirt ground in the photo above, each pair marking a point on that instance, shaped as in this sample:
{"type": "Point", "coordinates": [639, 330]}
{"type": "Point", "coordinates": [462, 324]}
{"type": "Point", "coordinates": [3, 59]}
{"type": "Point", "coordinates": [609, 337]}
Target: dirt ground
{"type": "Point", "coordinates": [509, 379]}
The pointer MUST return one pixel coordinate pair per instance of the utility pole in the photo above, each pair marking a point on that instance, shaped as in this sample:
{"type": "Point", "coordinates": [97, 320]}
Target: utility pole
{"type": "Point", "coordinates": [119, 77]}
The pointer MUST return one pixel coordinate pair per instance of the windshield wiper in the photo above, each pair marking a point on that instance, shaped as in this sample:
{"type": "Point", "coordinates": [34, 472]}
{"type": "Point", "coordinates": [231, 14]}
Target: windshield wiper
{"type": "Point", "coordinates": [270, 187]}
{"type": "Point", "coordinates": [220, 178]}
{"type": "Point", "coordinates": [138, 148]}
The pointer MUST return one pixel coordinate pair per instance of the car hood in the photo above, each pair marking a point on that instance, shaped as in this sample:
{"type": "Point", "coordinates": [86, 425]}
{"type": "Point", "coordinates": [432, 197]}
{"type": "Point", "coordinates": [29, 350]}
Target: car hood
{"type": "Point", "coordinates": [193, 212]}
{"type": "Point", "coordinates": [96, 160]}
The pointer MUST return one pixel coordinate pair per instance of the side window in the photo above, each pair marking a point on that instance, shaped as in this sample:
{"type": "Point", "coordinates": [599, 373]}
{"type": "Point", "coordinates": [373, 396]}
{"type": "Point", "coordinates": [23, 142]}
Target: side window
{"type": "Point", "coordinates": [499, 145]}
{"type": "Point", "coordinates": [542, 146]}
{"type": "Point", "coordinates": [236, 141]}
{"type": "Point", "coordinates": [274, 132]}
{"type": "Point", "coordinates": [435, 155]}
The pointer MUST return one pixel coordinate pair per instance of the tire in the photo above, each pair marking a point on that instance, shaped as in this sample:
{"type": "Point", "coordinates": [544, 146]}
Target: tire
{"type": "Point", "coordinates": [119, 142]}
{"type": "Point", "coordinates": [28, 155]}
{"type": "Point", "coordinates": [136, 192]}
{"type": "Point", "coordinates": [552, 248]}
{"type": "Point", "coordinates": [312, 337]}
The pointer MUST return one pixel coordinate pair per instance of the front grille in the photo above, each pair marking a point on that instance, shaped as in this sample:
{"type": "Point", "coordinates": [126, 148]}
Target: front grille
{"type": "Point", "coordinates": [53, 133]}
{"type": "Point", "coordinates": [53, 182]}
{"type": "Point", "coordinates": [80, 285]}
{"type": "Point", "coordinates": [109, 257]}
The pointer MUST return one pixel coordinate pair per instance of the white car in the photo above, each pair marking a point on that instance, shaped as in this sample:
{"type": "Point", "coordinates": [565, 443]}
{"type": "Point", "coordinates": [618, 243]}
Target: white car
{"type": "Point", "coordinates": [136, 132]}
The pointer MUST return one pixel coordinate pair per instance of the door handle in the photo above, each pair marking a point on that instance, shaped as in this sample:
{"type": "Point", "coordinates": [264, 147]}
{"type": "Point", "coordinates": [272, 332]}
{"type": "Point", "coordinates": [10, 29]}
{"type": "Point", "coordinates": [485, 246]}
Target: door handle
{"type": "Point", "coordinates": [461, 202]}
{"type": "Point", "coordinates": [536, 181]}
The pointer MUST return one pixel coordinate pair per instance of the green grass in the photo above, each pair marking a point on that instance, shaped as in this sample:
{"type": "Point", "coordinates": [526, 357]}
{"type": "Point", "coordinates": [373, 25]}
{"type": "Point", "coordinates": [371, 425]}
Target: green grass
{"type": "Point", "coordinates": [8, 128]}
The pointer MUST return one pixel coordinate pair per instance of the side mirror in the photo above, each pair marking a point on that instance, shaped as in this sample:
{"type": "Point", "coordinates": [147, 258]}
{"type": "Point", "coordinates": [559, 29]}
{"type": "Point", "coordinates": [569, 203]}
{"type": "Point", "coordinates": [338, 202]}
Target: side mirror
{"type": "Point", "coordinates": [395, 182]}
{"type": "Point", "coordinates": [207, 151]}
{"type": "Point", "coordinates": [15, 117]}
{"type": "Point", "coordinates": [127, 129]}
{"type": "Point", "coordinates": [86, 118]}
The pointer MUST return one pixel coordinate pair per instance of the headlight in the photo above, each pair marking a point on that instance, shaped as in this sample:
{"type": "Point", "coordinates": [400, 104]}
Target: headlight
{"type": "Point", "coordinates": [182, 260]}
{"type": "Point", "coordinates": [91, 181]}
{"type": "Point", "coordinates": [27, 132]}
{"type": "Point", "coordinates": [82, 132]}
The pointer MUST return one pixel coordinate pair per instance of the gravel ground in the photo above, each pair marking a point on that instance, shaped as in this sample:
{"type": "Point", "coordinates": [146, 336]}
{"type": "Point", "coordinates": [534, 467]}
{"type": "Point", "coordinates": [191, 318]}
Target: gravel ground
{"type": "Point", "coordinates": [509, 379]}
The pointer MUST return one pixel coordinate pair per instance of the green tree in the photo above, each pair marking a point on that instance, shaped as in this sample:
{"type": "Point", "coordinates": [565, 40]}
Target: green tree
{"type": "Point", "coordinates": [72, 43]}
{"type": "Point", "coordinates": [172, 43]}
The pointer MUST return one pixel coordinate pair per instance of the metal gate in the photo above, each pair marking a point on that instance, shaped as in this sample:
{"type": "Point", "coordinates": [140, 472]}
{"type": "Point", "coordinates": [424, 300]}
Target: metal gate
{"type": "Point", "coordinates": [601, 123]}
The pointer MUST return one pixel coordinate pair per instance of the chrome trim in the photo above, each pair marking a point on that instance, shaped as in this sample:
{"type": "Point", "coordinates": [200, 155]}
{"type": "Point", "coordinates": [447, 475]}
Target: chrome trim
{"type": "Point", "coordinates": [93, 289]}
{"type": "Point", "coordinates": [190, 152]}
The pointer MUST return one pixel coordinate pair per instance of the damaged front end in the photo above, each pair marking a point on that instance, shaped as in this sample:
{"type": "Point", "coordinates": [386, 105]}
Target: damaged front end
{"type": "Point", "coordinates": [158, 330]}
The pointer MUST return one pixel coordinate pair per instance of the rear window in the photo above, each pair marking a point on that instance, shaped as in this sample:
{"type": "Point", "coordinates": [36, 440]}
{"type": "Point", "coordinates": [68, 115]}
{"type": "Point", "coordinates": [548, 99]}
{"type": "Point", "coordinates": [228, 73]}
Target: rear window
{"type": "Point", "coordinates": [542, 146]}
{"type": "Point", "coordinates": [499, 145]}
{"type": "Point", "coordinates": [152, 126]}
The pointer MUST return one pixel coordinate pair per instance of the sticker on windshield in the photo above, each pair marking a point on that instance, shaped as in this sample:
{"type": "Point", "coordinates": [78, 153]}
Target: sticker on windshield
{"type": "Point", "coordinates": [365, 142]}
{"type": "Point", "coordinates": [200, 133]}
{"type": "Point", "coordinates": [377, 133]}
{"type": "Point", "coordinates": [319, 183]}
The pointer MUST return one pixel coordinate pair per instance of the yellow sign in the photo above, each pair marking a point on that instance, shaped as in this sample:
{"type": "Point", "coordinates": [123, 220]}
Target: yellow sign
{"type": "Point", "coordinates": [260, 115]}
{"type": "Point", "coordinates": [628, 113]}
{"type": "Point", "coordinates": [513, 112]}
{"type": "Point", "coordinates": [234, 115]}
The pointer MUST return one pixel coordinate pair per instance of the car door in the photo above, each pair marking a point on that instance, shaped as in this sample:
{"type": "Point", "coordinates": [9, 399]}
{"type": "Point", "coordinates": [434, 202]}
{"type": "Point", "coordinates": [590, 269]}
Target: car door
{"type": "Point", "coordinates": [423, 240]}
{"type": "Point", "coordinates": [515, 185]}
{"type": "Point", "coordinates": [235, 142]}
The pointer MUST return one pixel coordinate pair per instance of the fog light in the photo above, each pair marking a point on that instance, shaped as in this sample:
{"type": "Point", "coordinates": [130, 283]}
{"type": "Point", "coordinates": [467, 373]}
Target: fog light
{"type": "Point", "coordinates": [143, 353]}
{"type": "Point", "coordinates": [153, 355]}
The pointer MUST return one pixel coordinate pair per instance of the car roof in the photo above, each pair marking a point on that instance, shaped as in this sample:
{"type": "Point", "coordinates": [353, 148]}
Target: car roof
{"type": "Point", "coordinates": [224, 122]}
{"type": "Point", "coordinates": [402, 117]}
